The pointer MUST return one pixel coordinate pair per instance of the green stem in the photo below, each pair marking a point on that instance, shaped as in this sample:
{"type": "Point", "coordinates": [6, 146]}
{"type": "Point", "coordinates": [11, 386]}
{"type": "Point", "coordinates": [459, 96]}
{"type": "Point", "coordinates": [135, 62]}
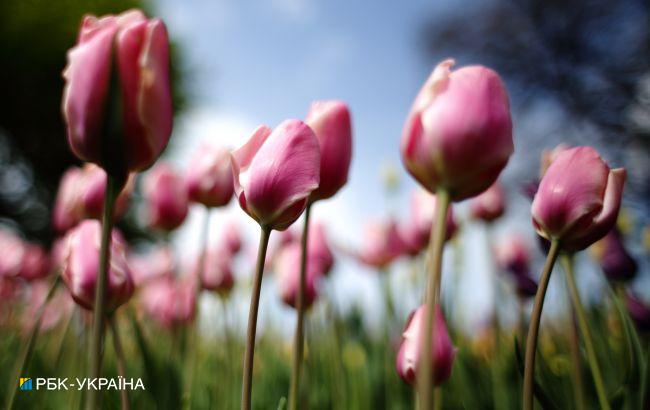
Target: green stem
{"type": "Point", "coordinates": [586, 333]}
{"type": "Point", "coordinates": [247, 382]}
{"type": "Point", "coordinates": [432, 297]}
{"type": "Point", "coordinates": [121, 361]}
{"type": "Point", "coordinates": [576, 370]}
{"type": "Point", "coordinates": [28, 346]}
{"type": "Point", "coordinates": [533, 327]}
{"type": "Point", "coordinates": [298, 342]}
{"type": "Point", "coordinates": [113, 187]}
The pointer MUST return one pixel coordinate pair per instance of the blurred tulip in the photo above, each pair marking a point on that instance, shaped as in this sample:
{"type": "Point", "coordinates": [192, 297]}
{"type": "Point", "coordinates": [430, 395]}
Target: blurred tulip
{"type": "Point", "coordinates": [82, 267]}
{"type": "Point", "coordinates": [231, 237]}
{"type": "Point", "coordinates": [639, 311]}
{"type": "Point", "coordinates": [154, 264]}
{"type": "Point", "coordinates": [578, 199]}
{"type": "Point", "coordinates": [615, 260]}
{"type": "Point", "coordinates": [416, 232]}
{"type": "Point", "coordinates": [127, 56]}
{"type": "Point", "coordinates": [408, 356]}
{"type": "Point", "coordinates": [13, 251]}
{"type": "Point", "coordinates": [217, 271]}
{"type": "Point", "coordinates": [512, 254]}
{"type": "Point", "coordinates": [275, 172]}
{"type": "Point", "coordinates": [318, 248]}
{"type": "Point", "coordinates": [382, 244]}
{"type": "Point", "coordinates": [287, 275]}
{"type": "Point", "coordinates": [209, 176]}
{"type": "Point", "coordinates": [35, 263]}
{"type": "Point", "coordinates": [330, 121]}
{"type": "Point", "coordinates": [168, 301]}
{"type": "Point", "coordinates": [166, 198]}
{"type": "Point", "coordinates": [458, 135]}
{"type": "Point", "coordinates": [490, 204]}
{"type": "Point", "coordinates": [59, 307]}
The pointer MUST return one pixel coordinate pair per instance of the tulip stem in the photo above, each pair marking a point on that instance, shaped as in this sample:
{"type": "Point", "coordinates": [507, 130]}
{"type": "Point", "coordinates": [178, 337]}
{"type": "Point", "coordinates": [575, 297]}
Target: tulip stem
{"type": "Point", "coordinates": [576, 370]}
{"type": "Point", "coordinates": [121, 361]}
{"type": "Point", "coordinates": [247, 382]}
{"type": "Point", "coordinates": [567, 261]}
{"type": "Point", "coordinates": [28, 346]}
{"type": "Point", "coordinates": [432, 297]}
{"type": "Point", "coordinates": [298, 342]}
{"type": "Point", "coordinates": [113, 187]}
{"type": "Point", "coordinates": [533, 327]}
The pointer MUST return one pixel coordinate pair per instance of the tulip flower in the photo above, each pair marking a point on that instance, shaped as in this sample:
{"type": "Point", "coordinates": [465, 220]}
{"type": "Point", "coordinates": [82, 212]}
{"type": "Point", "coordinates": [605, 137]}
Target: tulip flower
{"type": "Point", "coordinates": [512, 256]}
{"type": "Point", "coordinates": [275, 172]}
{"type": "Point", "coordinates": [216, 274]}
{"type": "Point", "coordinates": [82, 266]}
{"type": "Point", "coordinates": [154, 264]}
{"type": "Point", "coordinates": [166, 198]}
{"type": "Point", "coordinates": [330, 121]}
{"type": "Point", "coordinates": [617, 263]}
{"type": "Point", "coordinates": [209, 177]}
{"type": "Point", "coordinates": [287, 274]}
{"type": "Point", "coordinates": [409, 356]}
{"type": "Point", "coordinates": [416, 232]}
{"type": "Point", "coordinates": [490, 204]}
{"type": "Point", "coordinates": [127, 56]}
{"type": "Point", "coordinates": [35, 264]}
{"type": "Point", "coordinates": [458, 135]}
{"type": "Point", "coordinates": [169, 302]}
{"type": "Point", "coordinates": [318, 248]}
{"type": "Point", "coordinates": [578, 199]}
{"type": "Point", "coordinates": [382, 244]}
{"type": "Point", "coordinates": [13, 249]}
{"type": "Point", "coordinates": [231, 238]}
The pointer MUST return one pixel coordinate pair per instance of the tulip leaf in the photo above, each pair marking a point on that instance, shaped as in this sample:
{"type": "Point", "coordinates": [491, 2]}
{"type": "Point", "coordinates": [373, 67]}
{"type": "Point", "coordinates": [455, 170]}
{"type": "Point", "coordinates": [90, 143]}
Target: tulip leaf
{"type": "Point", "coordinates": [282, 403]}
{"type": "Point", "coordinates": [538, 391]}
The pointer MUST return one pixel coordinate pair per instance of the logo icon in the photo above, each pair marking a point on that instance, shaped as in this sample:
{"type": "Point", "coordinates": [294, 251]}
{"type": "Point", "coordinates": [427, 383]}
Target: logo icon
{"type": "Point", "coordinates": [25, 383]}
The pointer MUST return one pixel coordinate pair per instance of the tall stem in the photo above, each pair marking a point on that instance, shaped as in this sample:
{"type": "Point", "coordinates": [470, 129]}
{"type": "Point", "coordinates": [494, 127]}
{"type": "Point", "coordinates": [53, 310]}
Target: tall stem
{"type": "Point", "coordinates": [247, 382]}
{"type": "Point", "coordinates": [96, 348]}
{"type": "Point", "coordinates": [432, 297]}
{"type": "Point", "coordinates": [121, 361]}
{"type": "Point", "coordinates": [533, 327]}
{"type": "Point", "coordinates": [28, 346]}
{"type": "Point", "coordinates": [298, 340]}
{"type": "Point", "coordinates": [576, 370]}
{"type": "Point", "coordinates": [586, 333]}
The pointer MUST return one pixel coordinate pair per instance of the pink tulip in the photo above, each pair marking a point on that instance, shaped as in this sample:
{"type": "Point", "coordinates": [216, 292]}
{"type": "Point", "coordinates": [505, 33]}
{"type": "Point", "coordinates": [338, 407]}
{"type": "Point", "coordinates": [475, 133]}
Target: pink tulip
{"type": "Point", "coordinates": [209, 177]}
{"type": "Point", "coordinates": [217, 271]}
{"type": "Point", "coordinates": [578, 199]}
{"type": "Point", "coordinates": [616, 261]}
{"type": "Point", "coordinates": [82, 267]}
{"type": "Point", "coordinates": [275, 172]}
{"type": "Point", "coordinates": [125, 55]}
{"type": "Point", "coordinates": [511, 254]}
{"type": "Point", "coordinates": [169, 302]}
{"type": "Point", "coordinates": [166, 198]}
{"type": "Point", "coordinates": [318, 248]}
{"type": "Point", "coordinates": [13, 251]}
{"type": "Point", "coordinates": [331, 123]}
{"type": "Point", "coordinates": [382, 244]}
{"type": "Point", "coordinates": [416, 231]}
{"type": "Point", "coordinates": [287, 274]}
{"type": "Point", "coordinates": [231, 238]}
{"type": "Point", "coordinates": [35, 264]}
{"type": "Point", "coordinates": [458, 135]}
{"type": "Point", "coordinates": [490, 204]}
{"type": "Point", "coordinates": [67, 212]}
{"type": "Point", "coordinates": [408, 356]}
{"type": "Point", "coordinates": [154, 264]}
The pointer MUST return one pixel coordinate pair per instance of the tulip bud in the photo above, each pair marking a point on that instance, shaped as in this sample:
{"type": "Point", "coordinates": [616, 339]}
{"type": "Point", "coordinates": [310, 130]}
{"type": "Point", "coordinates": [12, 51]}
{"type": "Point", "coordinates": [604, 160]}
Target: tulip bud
{"type": "Point", "coordinates": [275, 172]}
{"type": "Point", "coordinates": [217, 271]}
{"type": "Point", "coordinates": [410, 351]}
{"type": "Point", "coordinates": [458, 135]}
{"type": "Point", "coordinates": [416, 232]}
{"type": "Point", "coordinates": [231, 238]}
{"type": "Point", "coordinates": [82, 267]}
{"type": "Point", "coordinates": [169, 302]}
{"type": "Point", "coordinates": [490, 204]}
{"type": "Point", "coordinates": [166, 198]}
{"type": "Point", "coordinates": [13, 252]}
{"type": "Point", "coordinates": [287, 274]}
{"type": "Point", "coordinates": [382, 244]}
{"type": "Point", "coordinates": [548, 156]}
{"type": "Point", "coordinates": [126, 57]}
{"type": "Point", "coordinates": [35, 264]}
{"type": "Point", "coordinates": [330, 121]}
{"type": "Point", "coordinates": [318, 248]}
{"type": "Point", "coordinates": [209, 177]}
{"type": "Point", "coordinates": [578, 199]}
{"type": "Point", "coordinates": [615, 260]}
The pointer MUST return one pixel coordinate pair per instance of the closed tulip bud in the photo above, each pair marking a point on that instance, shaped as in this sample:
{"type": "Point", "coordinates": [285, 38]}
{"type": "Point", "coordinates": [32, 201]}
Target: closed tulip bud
{"type": "Point", "coordinates": [382, 244]}
{"type": "Point", "coordinates": [81, 267]}
{"type": "Point", "coordinates": [13, 252]}
{"type": "Point", "coordinates": [578, 199]}
{"type": "Point", "coordinates": [154, 264]}
{"type": "Point", "coordinates": [410, 350]}
{"type": "Point", "coordinates": [287, 274]}
{"type": "Point", "coordinates": [209, 177]}
{"type": "Point", "coordinates": [35, 264]}
{"type": "Point", "coordinates": [458, 135]}
{"type": "Point", "coordinates": [217, 271]}
{"type": "Point", "coordinates": [416, 232]}
{"type": "Point", "coordinates": [275, 172]}
{"type": "Point", "coordinates": [490, 204]}
{"type": "Point", "coordinates": [169, 302]}
{"type": "Point", "coordinates": [318, 248]}
{"type": "Point", "coordinates": [615, 260]}
{"type": "Point", "coordinates": [330, 121]}
{"type": "Point", "coordinates": [166, 198]}
{"type": "Point", "coordinates": [126, 57]}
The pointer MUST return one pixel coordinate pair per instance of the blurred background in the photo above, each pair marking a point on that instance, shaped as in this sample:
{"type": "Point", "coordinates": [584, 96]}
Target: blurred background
{"type": "Point", "coordinates": [577, 72]}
